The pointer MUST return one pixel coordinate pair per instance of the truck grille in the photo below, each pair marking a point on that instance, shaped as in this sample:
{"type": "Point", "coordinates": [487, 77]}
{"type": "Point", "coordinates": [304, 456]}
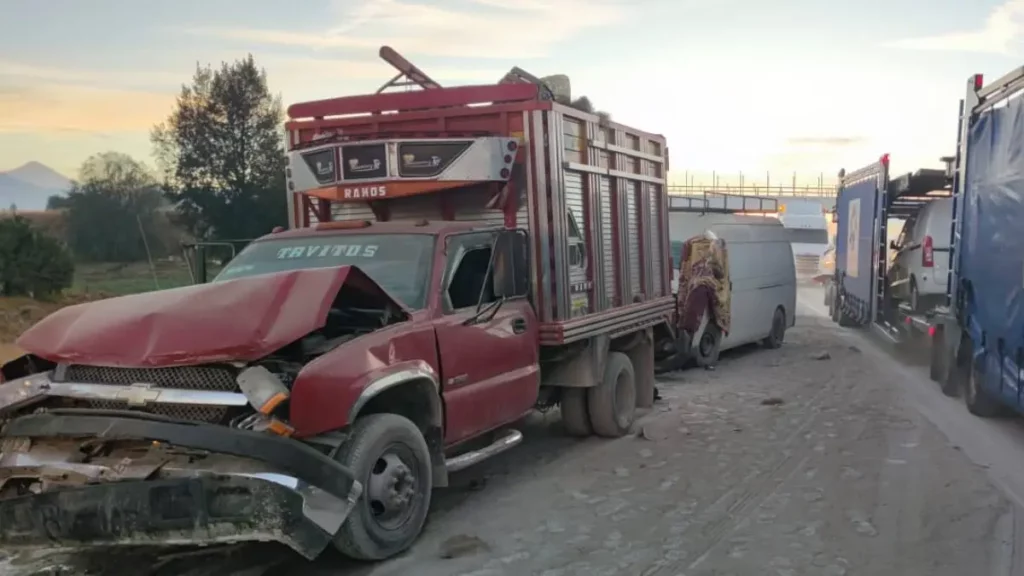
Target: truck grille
{"type": "Point", "coordinates": [806, 265]}
{"type": "Point", "coordinates": [215, 378]}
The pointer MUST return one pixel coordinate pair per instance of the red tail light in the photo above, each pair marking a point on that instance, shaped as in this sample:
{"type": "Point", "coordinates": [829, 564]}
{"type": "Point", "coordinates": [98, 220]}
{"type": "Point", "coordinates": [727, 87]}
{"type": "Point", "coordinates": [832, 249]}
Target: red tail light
{"type": "Point", "coordinates": [927, 253]}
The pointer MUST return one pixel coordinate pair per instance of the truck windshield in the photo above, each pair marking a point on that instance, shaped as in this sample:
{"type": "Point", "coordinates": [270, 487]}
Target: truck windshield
{"type": "Point", "coordinates": [400, 263]}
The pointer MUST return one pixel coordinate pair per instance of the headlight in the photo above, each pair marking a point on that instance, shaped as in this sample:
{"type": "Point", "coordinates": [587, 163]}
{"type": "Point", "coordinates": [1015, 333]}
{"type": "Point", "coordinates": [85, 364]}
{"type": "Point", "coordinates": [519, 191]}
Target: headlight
{"type": "Point", "coordinates": [262, 388]}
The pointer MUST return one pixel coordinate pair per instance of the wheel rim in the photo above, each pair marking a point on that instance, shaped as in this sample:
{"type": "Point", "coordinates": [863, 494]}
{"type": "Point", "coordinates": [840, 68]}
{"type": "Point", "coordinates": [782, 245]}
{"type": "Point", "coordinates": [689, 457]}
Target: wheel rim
{"type": "Point", "coordinates": [392, 488]}
{"type": "Point", "coordinates": [625, 399]}
{"type": "Point", "coordinates": [707, 343]}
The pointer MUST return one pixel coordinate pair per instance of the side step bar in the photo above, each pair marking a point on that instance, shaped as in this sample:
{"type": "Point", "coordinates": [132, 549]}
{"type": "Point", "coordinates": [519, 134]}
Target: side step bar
{"type": "Point", "coordinates": [506, 440]}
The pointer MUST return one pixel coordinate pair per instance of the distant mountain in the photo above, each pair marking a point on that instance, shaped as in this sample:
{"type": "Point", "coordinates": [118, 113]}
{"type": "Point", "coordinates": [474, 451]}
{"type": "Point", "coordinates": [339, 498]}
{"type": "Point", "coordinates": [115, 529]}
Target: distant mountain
{"type": "Point", "coordinates": [29, 186]}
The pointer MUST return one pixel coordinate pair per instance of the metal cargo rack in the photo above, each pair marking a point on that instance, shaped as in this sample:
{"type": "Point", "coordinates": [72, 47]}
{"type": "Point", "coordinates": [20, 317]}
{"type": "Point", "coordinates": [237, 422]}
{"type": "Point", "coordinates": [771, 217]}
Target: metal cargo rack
{"type": "Point", "coordinates": [904, 197]}
{"type": "Point", "coordinates": [720, 203]}
{"type": "Point", "coordinates": [908, 193]}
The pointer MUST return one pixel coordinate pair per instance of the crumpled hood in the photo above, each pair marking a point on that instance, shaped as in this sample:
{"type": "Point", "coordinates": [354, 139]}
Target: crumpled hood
{"type": "Point", "coordinates": [236, 320]}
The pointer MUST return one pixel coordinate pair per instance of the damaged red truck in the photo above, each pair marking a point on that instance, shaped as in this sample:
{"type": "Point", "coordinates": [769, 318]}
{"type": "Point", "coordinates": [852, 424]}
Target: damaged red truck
{"type": "Point", "coordinates": [457, 257]}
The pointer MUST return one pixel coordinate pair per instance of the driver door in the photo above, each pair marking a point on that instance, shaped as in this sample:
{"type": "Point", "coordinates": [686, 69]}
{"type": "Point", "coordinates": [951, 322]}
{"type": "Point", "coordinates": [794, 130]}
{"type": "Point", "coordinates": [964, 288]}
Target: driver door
{"type": "Point", "coordinates": [489, 356]}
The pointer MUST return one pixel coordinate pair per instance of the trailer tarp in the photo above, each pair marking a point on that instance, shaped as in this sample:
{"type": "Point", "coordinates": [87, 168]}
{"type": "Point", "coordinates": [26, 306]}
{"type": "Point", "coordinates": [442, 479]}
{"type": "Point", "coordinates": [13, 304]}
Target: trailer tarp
{"type": "Point", "coordinates": [992, 234]}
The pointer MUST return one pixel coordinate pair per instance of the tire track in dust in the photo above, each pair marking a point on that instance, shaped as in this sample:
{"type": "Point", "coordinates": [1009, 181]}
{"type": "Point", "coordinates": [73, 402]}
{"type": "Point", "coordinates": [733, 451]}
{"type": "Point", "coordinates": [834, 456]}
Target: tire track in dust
{"type": "Point", "coordinates": [737, 505]}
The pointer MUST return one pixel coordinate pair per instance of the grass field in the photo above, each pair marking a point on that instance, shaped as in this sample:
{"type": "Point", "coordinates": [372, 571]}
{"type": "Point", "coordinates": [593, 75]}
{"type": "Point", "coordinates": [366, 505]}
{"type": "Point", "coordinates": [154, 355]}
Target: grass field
{"type": "Point", "coordinates": [131, 278]}
{"type": "Point", "coordinates": [92, 282]}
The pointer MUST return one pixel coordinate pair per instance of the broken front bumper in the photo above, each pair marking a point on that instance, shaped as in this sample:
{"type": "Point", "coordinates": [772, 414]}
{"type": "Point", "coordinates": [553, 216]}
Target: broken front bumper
{"type": "Point", "coordinates": [263, 487]}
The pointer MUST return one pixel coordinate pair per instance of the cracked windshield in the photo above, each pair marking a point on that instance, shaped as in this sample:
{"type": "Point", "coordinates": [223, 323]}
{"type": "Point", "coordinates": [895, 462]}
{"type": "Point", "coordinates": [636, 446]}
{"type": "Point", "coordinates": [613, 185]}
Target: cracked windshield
{"type": "Point", "coordinates": [549, 287]}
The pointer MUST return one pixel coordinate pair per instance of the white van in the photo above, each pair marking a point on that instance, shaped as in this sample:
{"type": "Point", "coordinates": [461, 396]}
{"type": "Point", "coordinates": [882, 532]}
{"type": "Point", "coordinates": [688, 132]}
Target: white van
{"type": "Point", "coordinates": [761, 272]}
{"type": "Point", "coordinates": [806, 222]}
{"type": "Point", "coordinates": [918, 272]}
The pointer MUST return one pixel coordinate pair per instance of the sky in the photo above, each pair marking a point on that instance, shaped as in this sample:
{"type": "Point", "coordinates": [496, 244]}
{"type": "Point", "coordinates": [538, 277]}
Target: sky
{"type": "Point", "coordinates": [737, 86]}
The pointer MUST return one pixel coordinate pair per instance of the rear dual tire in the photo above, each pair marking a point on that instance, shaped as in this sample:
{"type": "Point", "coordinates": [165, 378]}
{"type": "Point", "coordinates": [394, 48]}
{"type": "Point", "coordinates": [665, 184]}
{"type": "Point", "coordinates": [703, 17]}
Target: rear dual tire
{"type": "Point", "coordinates": [607, 409]}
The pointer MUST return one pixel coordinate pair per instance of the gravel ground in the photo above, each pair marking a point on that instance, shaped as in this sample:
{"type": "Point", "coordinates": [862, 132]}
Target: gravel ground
{"type": "Point", "coordinates": [804, 460]}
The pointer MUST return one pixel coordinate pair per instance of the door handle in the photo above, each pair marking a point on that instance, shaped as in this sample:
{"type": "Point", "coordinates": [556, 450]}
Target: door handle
{"type": "Point", "coordinates": [519, 326]}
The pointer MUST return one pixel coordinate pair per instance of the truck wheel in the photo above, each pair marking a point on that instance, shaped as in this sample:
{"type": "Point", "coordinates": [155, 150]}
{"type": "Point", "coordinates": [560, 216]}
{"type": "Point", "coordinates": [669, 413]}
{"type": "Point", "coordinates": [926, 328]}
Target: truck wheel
{"type": "Point", "coordinates": [947, 380]}
{"type": "Point", "coordinates": [937, 357]}
{"type": "Point", "coordinates": [915, 297]}
{"type": "Point", "coordinates": [978, 401]}
{"type": "Point", "coordinates": [706, 351]}
{"type": "Point", "coordinates": [389, 455]}
{"type": "Point", "coordinates": [778, 333]}
{"type": "Point", "coordinates": [612, 403]}
{"type": "Point", "coordinates": [833, 309]}
{"type": "Point", "coordinates": [844, 319]}
{"type": "Point", "coordinates": [575, 418]}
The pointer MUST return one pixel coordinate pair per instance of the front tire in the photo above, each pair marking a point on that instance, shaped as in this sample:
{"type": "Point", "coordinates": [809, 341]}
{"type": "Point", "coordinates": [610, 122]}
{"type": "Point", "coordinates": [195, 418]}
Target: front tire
{"type": "Point", "coordinates": [778, 331]}
{"type": "Point", "coordinates": [709, 347]}
{"type": "Point", "coordinates": [612, 403]}
{"type": "Point", "coordinates": [389, 456]}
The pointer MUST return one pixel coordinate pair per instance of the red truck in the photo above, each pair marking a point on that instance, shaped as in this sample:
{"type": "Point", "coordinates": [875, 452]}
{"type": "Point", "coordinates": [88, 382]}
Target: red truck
{"type": "Point", "coordinates": [456, 258]}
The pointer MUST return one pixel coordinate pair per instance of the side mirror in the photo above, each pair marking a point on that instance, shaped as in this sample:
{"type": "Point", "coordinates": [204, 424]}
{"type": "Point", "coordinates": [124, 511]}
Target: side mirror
{"type": "Point", "coordinates": [893, 245]}
{"type": "Point", "coordinates": [511, 276]}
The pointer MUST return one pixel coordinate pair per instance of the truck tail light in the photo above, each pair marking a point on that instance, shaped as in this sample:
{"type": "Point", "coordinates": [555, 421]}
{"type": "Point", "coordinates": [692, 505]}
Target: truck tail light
{"type": "Point", "coordinates": [927, 253]}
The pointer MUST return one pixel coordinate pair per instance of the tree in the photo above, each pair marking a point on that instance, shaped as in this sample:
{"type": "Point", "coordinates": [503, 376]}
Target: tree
{"type": "Point", "coordinates": [222, 153]}
{"type": "Point", "coordinates": [31, 263]}
{"type": "Point", "coordinates": [113, 202]}
{"type": "Point", "coordinates": [57, 202]}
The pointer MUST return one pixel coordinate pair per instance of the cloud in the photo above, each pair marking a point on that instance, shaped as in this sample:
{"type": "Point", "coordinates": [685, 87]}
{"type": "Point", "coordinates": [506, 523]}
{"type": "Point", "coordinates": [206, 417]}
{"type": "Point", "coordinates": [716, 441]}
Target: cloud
{"type": "Point", "coordinates": [485, 29]}
{"type": "Point", "coordinates": [65, 108]}
{"type": "Point", "coordinates": [824, 140]}
{"type": "Point", "coordinates": [1001, 33]}
{"type": "Point", "coordinates": [19, 71]}
{"type": "Point", "coordinates": [284, 70]}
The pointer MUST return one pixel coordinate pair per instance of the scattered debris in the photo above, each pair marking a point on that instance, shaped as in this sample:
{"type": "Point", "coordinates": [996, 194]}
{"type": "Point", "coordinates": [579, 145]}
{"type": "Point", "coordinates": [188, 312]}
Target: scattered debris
{"type": "Point", "coordinates": [653, 432]}
{"type": "Point", "coordinates": [773, 401]}
{"type": "Point", "coordinates": [477, 484]}
{"type": "Point", "coordinates": [853, 348]}
{"type": "Point", "coordinates": [823, 355]}
{"type": "Point", "coordinates": [462, 545]}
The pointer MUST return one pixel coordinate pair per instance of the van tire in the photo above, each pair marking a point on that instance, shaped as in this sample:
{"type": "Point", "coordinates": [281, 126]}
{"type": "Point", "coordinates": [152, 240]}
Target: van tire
{"type": "Point", "coordinates": [778, 330]}
{"type": "Point", "coordinates": [977, 400]}
{"type": "Point", "coordinates": [612, 403]}
{"type": "Point", "coordinates": [399, 444]}
{"type": "Point", "coordinates": [707, 350]}
{"type": "Point", "coordinates": [575, 416]}
{"type": "Point", "coordinates": [915, 297]}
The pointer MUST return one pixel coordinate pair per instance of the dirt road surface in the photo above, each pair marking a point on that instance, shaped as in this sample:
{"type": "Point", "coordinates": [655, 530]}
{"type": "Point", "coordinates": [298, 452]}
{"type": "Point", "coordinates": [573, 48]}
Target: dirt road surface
{"type": "Point", "coordinates": [824, 458]}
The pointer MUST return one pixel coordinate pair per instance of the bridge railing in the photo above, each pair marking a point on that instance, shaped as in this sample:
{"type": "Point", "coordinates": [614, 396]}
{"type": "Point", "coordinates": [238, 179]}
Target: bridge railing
{"type": "Point", "coordinates": [819, 191]}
